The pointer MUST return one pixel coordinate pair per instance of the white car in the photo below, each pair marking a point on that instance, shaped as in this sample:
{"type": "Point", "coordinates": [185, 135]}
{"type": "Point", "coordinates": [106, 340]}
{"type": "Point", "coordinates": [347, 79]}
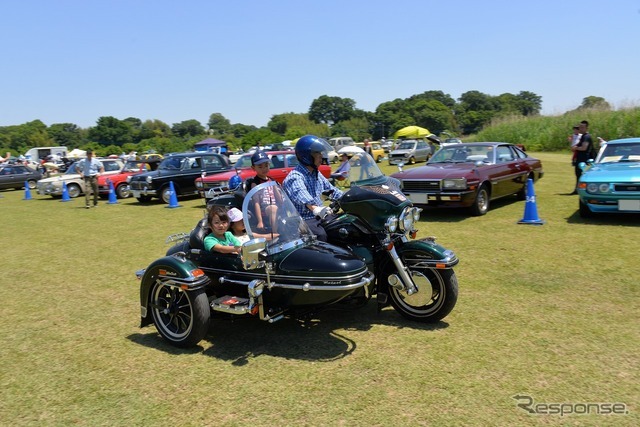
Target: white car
{"type": "Point", "coordinates": [75, 182]}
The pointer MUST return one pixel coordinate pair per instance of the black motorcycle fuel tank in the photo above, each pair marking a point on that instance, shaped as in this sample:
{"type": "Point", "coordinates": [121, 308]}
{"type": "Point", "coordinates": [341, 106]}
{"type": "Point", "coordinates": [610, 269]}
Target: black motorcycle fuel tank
{"type": "Point", "coordinates": [321, 261]}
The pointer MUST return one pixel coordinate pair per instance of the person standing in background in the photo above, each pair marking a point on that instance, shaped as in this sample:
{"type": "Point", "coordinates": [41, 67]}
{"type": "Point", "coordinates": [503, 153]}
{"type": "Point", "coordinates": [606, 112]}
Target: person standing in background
{"type": "Point", "coordinates": [90, 168]}
{"type": "Point", "coordinates": [582, 149]}
{"type": "Point", "coordinates": [574, 139]}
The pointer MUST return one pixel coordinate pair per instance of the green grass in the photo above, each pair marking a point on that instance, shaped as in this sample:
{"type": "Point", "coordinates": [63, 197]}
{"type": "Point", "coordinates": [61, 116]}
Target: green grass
{"type": "Point", "coordinates": [550, 311]}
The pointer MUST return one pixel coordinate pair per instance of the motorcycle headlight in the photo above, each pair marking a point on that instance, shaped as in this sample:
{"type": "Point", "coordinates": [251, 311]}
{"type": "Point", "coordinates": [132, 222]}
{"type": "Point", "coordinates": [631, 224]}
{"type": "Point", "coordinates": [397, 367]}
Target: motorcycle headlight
{"type": "Point", "coordinates": [454, 184]}
{"type": "Point", "coordinates": [595, 187]}
{"type": "Point", "coordinates": [391, 225]}
{"type": "Point", "coordinates": [149, 180]}
{"type": "Point", "coordinates": [406, 219]}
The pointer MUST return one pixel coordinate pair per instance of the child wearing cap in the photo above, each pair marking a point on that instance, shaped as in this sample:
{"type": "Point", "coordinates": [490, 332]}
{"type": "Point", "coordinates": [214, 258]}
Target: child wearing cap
{"type": "Point", "coordinates": [236, 226]}
{"type": "Point", "coordinates": [264, 200]}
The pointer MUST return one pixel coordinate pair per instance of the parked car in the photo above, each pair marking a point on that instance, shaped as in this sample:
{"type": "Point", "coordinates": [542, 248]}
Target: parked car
{"type": "Point", "coordinates": [410, 151]}
{"type": "Point", "coordinates": [75, 183]}
{"type": "Point", "coordinates": [470, 175]}
{"type": "Point", "coordinates": [280, 163]}
{"type": "Point", "coordinates": [377, 152]}
{"type": "Point", "coordinates": [386, 144]}
{"type": "Point", "coordinates": [15, 176]}
{"type": "Point", "coordinates": [612, 182]}
{"type": "Point", "coordinates": [119, 180]}
{"type": "Point", "coordinates": [340, 141]}
{"type": "Point", "coordinates": [182, 169]}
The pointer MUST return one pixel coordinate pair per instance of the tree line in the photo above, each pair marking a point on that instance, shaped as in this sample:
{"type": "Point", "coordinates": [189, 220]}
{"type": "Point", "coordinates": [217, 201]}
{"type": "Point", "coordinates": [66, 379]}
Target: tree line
{"type": "Point", "coordinates": [327, 116]}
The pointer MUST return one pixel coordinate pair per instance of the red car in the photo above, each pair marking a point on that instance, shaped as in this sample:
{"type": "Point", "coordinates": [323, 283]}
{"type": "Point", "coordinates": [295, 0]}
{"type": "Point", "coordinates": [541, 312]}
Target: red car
{"type": "Point", "coordinates": [470, 175]}
{"type": "Point", "coordinates": [280, 163]}
{"type": "Point", "coordinates": [119, 180]}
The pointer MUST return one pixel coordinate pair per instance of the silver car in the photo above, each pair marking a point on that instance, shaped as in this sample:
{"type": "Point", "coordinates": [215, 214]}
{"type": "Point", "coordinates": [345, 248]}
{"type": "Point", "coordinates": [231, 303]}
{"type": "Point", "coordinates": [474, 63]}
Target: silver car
{"type": "Point", "coordinates": [409, 152]}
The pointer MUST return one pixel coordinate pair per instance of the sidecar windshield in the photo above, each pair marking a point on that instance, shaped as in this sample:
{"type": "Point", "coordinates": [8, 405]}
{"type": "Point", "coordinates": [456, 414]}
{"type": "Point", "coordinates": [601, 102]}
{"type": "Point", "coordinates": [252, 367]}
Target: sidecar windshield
{"type": "Point", "coordinates": [268, 213]}
{"type": "Point", "coordinates": [364, 170]}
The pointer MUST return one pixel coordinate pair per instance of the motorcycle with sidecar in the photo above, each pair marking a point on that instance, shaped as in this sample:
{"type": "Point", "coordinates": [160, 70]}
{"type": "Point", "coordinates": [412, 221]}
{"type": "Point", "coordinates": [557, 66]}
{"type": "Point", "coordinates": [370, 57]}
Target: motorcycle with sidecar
{"type": "Point", "coordinates": [284, 271]}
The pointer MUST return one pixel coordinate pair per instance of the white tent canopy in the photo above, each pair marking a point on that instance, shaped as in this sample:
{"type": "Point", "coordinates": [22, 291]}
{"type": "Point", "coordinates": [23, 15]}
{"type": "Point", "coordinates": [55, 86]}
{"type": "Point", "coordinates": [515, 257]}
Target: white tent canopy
{"type": "Point", "coordinates": [76, 152]}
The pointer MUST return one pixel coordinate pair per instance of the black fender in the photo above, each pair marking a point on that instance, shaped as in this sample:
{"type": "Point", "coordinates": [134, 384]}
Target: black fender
{"type": "Point", "coordinates": [423, 252]}
{"type": "Point", "coordinates": [174, 270]}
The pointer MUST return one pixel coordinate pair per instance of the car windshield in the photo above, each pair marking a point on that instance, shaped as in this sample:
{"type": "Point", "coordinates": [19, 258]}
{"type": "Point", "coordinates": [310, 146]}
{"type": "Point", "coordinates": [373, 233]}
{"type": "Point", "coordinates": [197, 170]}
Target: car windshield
{"type": "Point", "coordinates": [131, 166]}
{"type": "Point", "coordinates": [407, 145]}
{"type": "Point", "coordinates": [243, 162]}
{"type": "Point", "coordinates": [615, 153]}
{"type": "Point", "coordinates": [173, 163]}
{"type": "Point", "coordinates": [288, 230]}
{"type": "Point", "coordinates": [364, 170]}
{"type": "Point", "coordinates": [464, 153]}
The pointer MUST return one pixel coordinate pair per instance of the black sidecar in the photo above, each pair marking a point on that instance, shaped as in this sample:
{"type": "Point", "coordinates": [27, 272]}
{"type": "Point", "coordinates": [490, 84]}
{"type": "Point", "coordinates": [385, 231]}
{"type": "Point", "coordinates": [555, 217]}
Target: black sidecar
{"type": "Point", "coordinates": [282, 271]}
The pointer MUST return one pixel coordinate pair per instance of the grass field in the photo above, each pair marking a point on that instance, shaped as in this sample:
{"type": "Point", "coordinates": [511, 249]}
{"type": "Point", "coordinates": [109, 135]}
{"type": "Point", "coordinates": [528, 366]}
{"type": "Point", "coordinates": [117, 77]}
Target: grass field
{"type": "Point", "coordinates": [550, 312]}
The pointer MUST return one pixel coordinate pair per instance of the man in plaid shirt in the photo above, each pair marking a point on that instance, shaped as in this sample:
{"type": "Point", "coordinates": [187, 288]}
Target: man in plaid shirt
{"type": "Point", "coordinates": [304, 185]}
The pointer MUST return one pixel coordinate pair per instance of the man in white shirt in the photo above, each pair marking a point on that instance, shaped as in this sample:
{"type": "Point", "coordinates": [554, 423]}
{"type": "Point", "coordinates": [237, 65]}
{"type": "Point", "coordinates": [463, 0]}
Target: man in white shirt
{"type": "Point", "coordinates": [90, 168]}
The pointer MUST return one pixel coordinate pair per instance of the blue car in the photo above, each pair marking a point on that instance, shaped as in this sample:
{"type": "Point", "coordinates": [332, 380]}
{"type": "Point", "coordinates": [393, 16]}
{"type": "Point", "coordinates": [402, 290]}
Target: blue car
{"type": "Point", "coordinates": [612, 182]}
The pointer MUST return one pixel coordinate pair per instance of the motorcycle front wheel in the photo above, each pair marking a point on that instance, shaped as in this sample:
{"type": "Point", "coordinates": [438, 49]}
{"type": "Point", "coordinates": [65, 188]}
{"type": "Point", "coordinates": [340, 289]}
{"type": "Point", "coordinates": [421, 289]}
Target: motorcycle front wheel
{"type": "Point", "coordinates": [181, 317]}
{"type": "Point", "coordinates": [437, 295]}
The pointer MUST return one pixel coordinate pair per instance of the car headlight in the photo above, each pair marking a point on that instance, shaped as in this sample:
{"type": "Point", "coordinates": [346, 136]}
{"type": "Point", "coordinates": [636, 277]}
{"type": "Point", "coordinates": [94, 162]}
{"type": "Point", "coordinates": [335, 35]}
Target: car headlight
{"type": "Point", "coordinates": [149, 180]}
{"type": "Point", "coordinates": [595, 187]}
{"type": "Point", "coordinates": [391, 225]}
{"type": "Point", "coordinates": [454, 184]}
{"type": "Point", "coordinates": [199, 184]}
{"type": "Point", "coordinates": [129, 179]}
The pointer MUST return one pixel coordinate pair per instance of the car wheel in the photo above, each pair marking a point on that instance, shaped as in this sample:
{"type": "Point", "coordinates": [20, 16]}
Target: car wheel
{"type": "Point", "coordinates": [481, 203]}
{"type": "Point", "coordinates": [144, 199]}
{"type": "Point", "coordinates": [181, 317]}
{"type": "Point", "coordinates": [584, 210]}
{"type": "Point", "coordinates": [122, 191]}
{"type": "Point", "coordinates": [165, 194]}
{"type": "Point", "coordinates": [73, 190]}
{"type": "Point", "coordinates": [32, 184]}
{"type": "Point", "coordinates": [412, 160]}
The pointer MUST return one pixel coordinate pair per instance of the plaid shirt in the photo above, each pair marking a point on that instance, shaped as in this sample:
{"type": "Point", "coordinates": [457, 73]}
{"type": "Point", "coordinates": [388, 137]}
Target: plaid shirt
{"type": "Point", "coordinates": [305, 188]}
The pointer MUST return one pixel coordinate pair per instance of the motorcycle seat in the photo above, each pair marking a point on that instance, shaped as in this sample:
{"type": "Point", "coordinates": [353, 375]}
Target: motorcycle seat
{"type": "Point", "coordinates": [197, 235]}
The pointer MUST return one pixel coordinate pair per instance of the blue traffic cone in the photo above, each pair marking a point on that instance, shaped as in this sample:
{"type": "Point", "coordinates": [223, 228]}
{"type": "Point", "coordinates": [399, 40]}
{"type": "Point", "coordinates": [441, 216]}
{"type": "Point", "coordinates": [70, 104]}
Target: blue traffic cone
{"type": "Point", "coordinates": [65, 193]}
{"type": "Point", "coordinates": [173, 199]}
{"type": "Point", "coordinates": [530, 209]}
{"type": "Point", "coordinates": [27, 191]}
{"type": "Point", "coordinates": [112, 194]}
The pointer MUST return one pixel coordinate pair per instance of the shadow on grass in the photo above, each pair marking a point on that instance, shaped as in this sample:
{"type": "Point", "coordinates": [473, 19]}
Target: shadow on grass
{"type": "Point", "coordinates": [621, 219]}
{"type": "Point", "coordinates": [321, 339]}
{"type": "Point", "coordinates": [445, 214]}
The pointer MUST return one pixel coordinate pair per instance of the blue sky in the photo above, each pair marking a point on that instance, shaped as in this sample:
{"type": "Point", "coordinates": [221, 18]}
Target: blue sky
{"type": "Point", "coordinates": [77, 60]}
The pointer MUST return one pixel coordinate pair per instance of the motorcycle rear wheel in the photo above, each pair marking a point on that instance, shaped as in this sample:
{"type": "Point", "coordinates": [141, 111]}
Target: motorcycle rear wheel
{"type": "Point", "coordinates": [181, 317]}
{"type": "Point", "coordinates": [437, 295]}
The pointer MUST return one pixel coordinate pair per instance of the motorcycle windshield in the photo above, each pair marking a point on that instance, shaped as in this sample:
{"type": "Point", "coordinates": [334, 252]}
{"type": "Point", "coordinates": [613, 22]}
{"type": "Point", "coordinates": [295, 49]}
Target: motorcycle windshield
{"type": "Point", "coordinates": [268, 213]}
{"type": "Point", "coordinates": [364, 170]}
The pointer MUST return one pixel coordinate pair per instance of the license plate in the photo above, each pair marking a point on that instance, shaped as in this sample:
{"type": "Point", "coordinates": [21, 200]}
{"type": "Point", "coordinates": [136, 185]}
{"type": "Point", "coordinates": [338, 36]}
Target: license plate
{"type": "Point", "coordinates": [419, 198]}
{"type": "Point", "coordinates": [629, 205]}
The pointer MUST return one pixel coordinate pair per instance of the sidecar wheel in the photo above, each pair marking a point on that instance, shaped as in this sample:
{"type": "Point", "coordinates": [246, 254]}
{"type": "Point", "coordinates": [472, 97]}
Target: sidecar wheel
{"type": "Point", "coordinates": [437, 295]}
{"type": "Point", "coordinates": [181, 317]}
